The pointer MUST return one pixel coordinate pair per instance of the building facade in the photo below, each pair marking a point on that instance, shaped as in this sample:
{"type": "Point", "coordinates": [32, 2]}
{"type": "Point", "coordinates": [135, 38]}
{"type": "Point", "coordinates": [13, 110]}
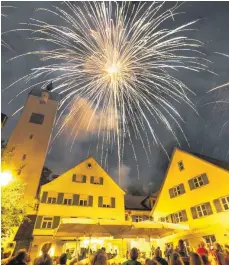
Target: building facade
{"type": "Point", "coordinates": [85, 192]}
{"type": "Point", "coordinates": [194, 192]}
{"type": "Point", "coordinates": [29, 141]}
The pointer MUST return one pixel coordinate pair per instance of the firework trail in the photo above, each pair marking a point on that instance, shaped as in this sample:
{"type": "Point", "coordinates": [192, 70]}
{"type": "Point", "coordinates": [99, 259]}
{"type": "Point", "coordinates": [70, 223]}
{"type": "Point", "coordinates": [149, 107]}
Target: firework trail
{"type": "Point", "coordinates": [3, 43]}
{"type": "Point", "coordinates": [112, 64]}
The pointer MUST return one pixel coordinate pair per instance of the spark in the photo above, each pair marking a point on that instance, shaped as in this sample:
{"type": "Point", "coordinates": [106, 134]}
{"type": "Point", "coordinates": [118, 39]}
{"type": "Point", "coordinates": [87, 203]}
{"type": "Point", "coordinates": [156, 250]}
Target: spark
{"type": "Point", "coordinates": [118, 57]}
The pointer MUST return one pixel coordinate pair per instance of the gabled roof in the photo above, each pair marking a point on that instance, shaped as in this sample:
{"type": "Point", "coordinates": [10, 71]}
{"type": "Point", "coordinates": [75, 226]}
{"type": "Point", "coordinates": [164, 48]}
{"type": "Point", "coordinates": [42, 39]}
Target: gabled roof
{"type": "Point", "coordinates": [135, 203]}
{"type": "Point", "coordinates": [197, 156]}
{"type": "Point", "coordinates": [89, 159]}
{"type": "Point", "coordinates": [221, 164]}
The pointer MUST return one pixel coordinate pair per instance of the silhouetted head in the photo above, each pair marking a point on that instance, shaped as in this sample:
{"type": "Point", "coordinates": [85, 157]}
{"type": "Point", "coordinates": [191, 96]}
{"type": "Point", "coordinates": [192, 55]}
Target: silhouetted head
{"type": "Point", "coordinates": [134, 254]}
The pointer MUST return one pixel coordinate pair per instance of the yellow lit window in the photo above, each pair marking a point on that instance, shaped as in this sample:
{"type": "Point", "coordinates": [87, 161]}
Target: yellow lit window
{"type": "Point", "coordinates": [178, 217]}
{"type": "Point", "coordinates": [198, 182]}
{"type": "Point", "coordinates": [47, 222]}
{"type": "Point", "coordinates": [67, 199]}
{"type": "Point", "coordinates": [225, 203]}
{"type": "Point", "coordinates": [201, 210]}
{"type": "Point", "coordinates": [51, 200]}
{"type": "Point", "coordinates": [176, 190]}
{"type": "Point", "coordinates": [106, 202]}
{"type": "Point", "coordinates": [83, 200]}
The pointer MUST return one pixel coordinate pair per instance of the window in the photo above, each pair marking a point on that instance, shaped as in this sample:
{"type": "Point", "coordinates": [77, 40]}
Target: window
{"type": "Point", "coordinates": [36, 206]}
{"type": "Point", "coordinates": [79, 178]}
{"type": "Point", "coordinates": [47, 222]}
{"type": "Point", "coordinates": [210, 239]}
{"type": "Point", "coordinates": [67, 199]}
{"type": "Point", "coordinates": [23, 157]}
{"type": "Point", "coordinates": [198, 181]}
{"type": "Point", "coordinates": [31, 136]}
{"type": "Point", "coordinates": [139, 219]}
{"type": "Point", "coordinates": [177, 190]}
{"type": "Point", "coordinates": [36, 118]}
{"type": "Point", "coordinates": [89, 165]}
{"type": "Point", "coordinates": [83, 200]}
{"type": "Point", "coordinates": [180, 165]}
{"type": "Point", "coordinates": [126, 217]}
{"type": "Point", "coordinates": [201, 210]}
{"type": "Point", "coordinates": [178, 217]}
{"type": "Point", "coordinates": [96, 180]}
{"type": "Point", "coordinates": [106, 202]}
{"type": "Point", "coordinates": [225, 202]}
{"type": "Point", "coordinates": [51, 200]}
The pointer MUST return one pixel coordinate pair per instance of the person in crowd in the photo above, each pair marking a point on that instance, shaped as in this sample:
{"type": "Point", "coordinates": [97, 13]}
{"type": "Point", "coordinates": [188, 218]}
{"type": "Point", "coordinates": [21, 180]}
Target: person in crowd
{"type": "Point", "coordinates": [158, 251]}
{"type": "Point", "coordinates": [103, 249]}
{"type": "Point", "coordinates": [44, 259]}
{"type": "Point", "coordinates": [2, 253]}
{"type": "Point", "coordinates": [205, 259]}
{"type": "Point", "coordinates": [175, 259]}
{"type": "Point", "coordinates": [218, 255]}
{"type": "Point", "coordinates": [157, 257]}
{"type": "Point", "coordinates": [151, 262]}
{"type": "Point", "coordinates": [195, 259]}
{"type": "Point", "coordinates": [99, 259]}
{"type": "Point", "coordinates": [69, 256]}
{"type": "Point", "coordinates": [63, 259]}
{"type": "Point", "coordinates": [201, 249]}
{"type": "Point", "coordinates": [73, 261]}
{"type": "Point", "coordinates": [19, 258]}
{"type": "Point", "coordinates": [133, 258]}
{"type": "Point", "coordinates": [226, 255]}
{"type": "Point", "coordinates": [182, 252]}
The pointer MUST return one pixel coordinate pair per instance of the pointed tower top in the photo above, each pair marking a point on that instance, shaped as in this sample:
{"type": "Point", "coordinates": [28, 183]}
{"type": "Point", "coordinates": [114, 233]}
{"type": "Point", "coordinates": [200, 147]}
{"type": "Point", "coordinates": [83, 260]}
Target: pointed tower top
{"type": "Point", "coordinates": [49, 86]}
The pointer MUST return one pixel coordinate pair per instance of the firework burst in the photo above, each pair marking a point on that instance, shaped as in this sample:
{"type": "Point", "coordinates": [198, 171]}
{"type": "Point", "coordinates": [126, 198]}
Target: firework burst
{"type": "Point", "coordinates": [116, 58]}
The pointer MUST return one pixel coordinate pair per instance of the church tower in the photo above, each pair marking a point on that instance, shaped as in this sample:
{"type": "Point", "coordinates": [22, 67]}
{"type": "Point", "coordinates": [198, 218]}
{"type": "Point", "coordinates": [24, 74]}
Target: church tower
{"type": "Point", "coordinates": [28, 144]}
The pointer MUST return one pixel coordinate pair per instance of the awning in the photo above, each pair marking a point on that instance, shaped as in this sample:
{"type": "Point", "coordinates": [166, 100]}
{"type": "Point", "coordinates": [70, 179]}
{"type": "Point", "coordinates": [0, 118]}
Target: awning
{"type": "Point", "coordinates": [75, 227]}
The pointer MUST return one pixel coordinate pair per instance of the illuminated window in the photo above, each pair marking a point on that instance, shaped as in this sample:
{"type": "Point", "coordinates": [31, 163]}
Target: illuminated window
{"type": "Point", "coordinates": [225, 203]}
{"type": "Point", "coordinates": [67, 199]}
{"type": "Point", "coordinates": [178, 217]}
{"type": "Point", "coordinates": [176, 191]}
{"type": "Point", "coordinates": [47, 222]}
{"type": "Point", "coordinates": [201, 210]}
{"type": "Point", "coordinates": [83, 200]}
{"type": "Point", "coordinates": [36, 118]}
{"type": "Point", "coordinates": [106, 202]}
{"type": "Point", "coordinates": [79, 178]}
{"type": "Point", "coordinates": [51, 200]}
{"type": "Point", "coordinates": [180, 165]}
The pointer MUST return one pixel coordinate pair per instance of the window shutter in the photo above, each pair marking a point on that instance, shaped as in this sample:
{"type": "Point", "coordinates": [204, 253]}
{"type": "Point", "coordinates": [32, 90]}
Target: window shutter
{"type": "Point", "coordinates": [84, 179]}
{"type": "Point", "coordinates": [184, 216]}
{"type": "Point", "coordinates": [194, 212]}
{"type": "Point", "coordinates": [92, 179]}
{"type": "Point", "coordinates": [100, 202]}
{"type": "Point", "coordinates": [112, 202]}
{"type": "Point", "coordinates": [205, 178]}
{"type": "Point", "coordinates": [218, 206]}
{"type": "Point", "coordinates": [172, 218]}
{"type": "Point", "coordinates": [209, 208]}
{"type": "Point", "coordinates": [90, 200]}
{"type": "Point", "coordinates": [191, 184]}
{"type": "Point", "coordinates": [56, 221]}
{"type": "Point", "coordinates": [171, 193]}
{"type": "Point", "coordinates": [74, 177]}
{"type": "Point", "coordinates": [38, 222]}
{"type": "Point", "coordinates": [44, 197]}
{"type": "Point", "coordinates": [76, 199]}
{"type": "Point", "coordinates": [181, 187]}
{"type": "Point", "coordinates": [60, 198]}
{"type": "Point", "coordinates": [101, 181]}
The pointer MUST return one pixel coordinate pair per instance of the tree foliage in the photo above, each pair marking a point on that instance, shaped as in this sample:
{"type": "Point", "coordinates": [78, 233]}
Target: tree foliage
{"type": "Point", "coordinates": [13, 208]}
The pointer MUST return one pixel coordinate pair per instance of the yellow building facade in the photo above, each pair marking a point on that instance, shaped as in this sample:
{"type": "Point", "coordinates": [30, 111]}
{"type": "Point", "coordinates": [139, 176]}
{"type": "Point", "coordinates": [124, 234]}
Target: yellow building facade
{"type": "Point", "coordinates": [29, 141]}
{"type": "Point", "coordinates": [194, 192]}
{"type": "Point", "coordinates": [85, 192]}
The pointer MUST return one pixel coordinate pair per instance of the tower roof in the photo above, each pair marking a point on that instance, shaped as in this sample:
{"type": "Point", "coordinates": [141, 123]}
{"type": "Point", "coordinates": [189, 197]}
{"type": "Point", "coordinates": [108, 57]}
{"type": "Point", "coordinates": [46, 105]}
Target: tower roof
{"type": "Point", "coordinates": [37, 92]}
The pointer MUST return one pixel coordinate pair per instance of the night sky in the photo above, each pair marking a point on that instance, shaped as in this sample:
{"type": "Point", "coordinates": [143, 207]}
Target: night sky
{"type": "Point", "coordinates": [207, 132]}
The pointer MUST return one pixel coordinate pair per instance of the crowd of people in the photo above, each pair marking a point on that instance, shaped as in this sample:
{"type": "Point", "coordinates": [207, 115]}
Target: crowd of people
{"type": "Point", "coordinates": [210, 255]}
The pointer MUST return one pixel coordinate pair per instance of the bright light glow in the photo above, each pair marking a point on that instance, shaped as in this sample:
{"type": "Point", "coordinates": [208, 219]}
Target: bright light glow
{"type": "Point", "coordinates": [113, 69]}
{"type": "Point", "coordinates": [6, 178]}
